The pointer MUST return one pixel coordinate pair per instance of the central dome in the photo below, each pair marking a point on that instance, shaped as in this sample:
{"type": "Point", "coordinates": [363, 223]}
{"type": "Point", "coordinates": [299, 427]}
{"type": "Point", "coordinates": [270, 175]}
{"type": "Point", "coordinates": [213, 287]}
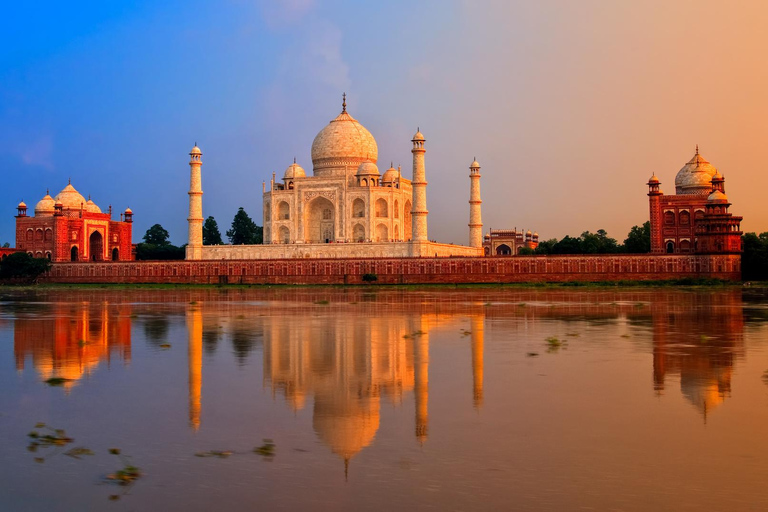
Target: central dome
{"type": "Point", "coordinates": [695, 177]}
{"type": "Point", "coordinates": [70, 198]}
{"type": "Point", "coordinates": [342, 146]}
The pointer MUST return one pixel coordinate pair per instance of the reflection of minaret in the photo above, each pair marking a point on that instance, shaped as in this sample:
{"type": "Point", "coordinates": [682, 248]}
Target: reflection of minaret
{"type": "Point", "coordinates": [421, 384]}
{"type": "Point", "coordinates": [195, 329]}
{"type": "Point", "coordinates": [477, 325]}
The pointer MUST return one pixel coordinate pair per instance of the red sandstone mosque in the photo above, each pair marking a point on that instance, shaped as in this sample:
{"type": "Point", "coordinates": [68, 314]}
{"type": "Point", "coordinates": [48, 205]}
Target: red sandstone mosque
{"type": "Point", "coordinates": [695, 220]}
{"type": "Point", "coordinates": [70, 228]}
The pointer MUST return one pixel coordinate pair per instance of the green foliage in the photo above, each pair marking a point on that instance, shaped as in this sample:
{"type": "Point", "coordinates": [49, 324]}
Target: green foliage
{"type": "Point", "coordinates": [754, 260]}
{"type": "Point", "coordinates": [546, 246]}
{"type": "Point", "coordinates": [638, 239]}
{"type": "Point", "coordinates": [244, 231]}
{"type": "Point", "coordinates": [6, 245]}
{"type": "Point", "coordinates": [156, 235]}
{"type": "Point", "coordinates": [211, 233]}
{"type": "Point", "coordinates": [267, 449]}
{"type": "Point", "coordinates": [526, 251]}
{"type": "Point", "coordinates": [587, 243]}
{"type": "Point", "coordinates": [21, 265]}
{"type": "Point", "coordinates": [160, 252]}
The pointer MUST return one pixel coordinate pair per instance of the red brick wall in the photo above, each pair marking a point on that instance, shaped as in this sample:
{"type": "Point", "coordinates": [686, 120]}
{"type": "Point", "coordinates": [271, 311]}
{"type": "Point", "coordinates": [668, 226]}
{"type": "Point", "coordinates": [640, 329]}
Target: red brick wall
{"type": "Point", "coordinates": [406, 270]}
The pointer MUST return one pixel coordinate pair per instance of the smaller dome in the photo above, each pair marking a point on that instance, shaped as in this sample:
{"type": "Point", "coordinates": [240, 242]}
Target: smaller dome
{"type": "Point", "coordinates": [528, 233]}
{"type": "Point", "coordinates": [91, 207]}
{"type": "Point", "coordinates": [294, 171]}
{"type": "Point", "coordinates": [653, 179]}
{"type": "Point", "coordinates": [474, 165]}
{"type": "Point", "coordinates": [22, 205]}
{"type": "Point", "coordinates": [367, 168]}
{"type": "Point", "coordinates": [45, 205]}
{"type": "Point", "coordinates": [535, 234]}
{"type": "Point", "coordinates": [59, 204]}
{"type": "Point", "coordinates": [195, 150]}
{"type": "Point", "coordinates": [717, 196]}
{"type": "Point", "coordinates": [390, 176]}
{"type": "Point", "coordinates": [418, 136]}
{"type": "Point", "coordinates": [717, 176]}
{"type": "Point", "coordinates": [128, 211]}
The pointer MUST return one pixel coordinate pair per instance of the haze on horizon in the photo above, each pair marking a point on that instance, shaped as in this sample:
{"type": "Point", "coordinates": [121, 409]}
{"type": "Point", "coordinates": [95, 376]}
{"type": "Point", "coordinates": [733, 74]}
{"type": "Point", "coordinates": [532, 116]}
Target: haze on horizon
{"type": "Point", "coordinates": [568, 106]}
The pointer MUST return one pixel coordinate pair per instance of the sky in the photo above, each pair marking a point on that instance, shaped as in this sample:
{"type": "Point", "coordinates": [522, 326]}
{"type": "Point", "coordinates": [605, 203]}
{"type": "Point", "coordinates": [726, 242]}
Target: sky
{"type": "Point", "coordinates": [569, 106]}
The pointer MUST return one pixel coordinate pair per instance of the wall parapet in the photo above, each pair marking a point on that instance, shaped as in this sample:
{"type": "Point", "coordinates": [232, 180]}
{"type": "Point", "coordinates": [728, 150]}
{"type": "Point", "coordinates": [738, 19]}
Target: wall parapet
{"type": "Point", "coordinates": [452, 270]}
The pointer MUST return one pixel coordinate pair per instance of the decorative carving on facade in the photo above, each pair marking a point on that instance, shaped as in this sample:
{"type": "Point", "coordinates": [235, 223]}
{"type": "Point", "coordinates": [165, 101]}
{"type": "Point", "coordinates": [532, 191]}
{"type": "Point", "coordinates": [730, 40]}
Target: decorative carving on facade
{"type": "Point", "coordinates": [328, 194]}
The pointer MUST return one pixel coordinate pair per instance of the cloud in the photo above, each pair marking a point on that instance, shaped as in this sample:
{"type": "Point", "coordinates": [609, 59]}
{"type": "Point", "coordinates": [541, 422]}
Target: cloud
{"type": "Point", "coordinates": [37, 152]}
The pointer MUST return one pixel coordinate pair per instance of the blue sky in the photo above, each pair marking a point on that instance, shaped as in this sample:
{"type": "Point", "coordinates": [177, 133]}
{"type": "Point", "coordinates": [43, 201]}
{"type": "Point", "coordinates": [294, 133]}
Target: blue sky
{"type": "Point", "coordinates": [568, 106]}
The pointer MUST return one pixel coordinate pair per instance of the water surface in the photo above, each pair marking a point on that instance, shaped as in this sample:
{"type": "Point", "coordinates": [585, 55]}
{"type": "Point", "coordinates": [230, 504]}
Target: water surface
{"type": "Point", "coordinates": [378, 399]}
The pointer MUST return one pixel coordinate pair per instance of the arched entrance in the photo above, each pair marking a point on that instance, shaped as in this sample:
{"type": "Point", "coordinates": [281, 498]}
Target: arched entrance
{"type": "Point", "coordinates": [115, 254]}
{"type": "Point", "coordinates": [382, 233]}
{"type": "Point", "coordinates": [358, 233]}
{"type": "Point", "coordinates": [503, 250]}
{"type": "Point", "coordinates": [284, 235]}
{"type": "Point", "coordinates": [74, 254]}
{"type": "Point", "coordinates": [670, 247]}
{"type": "Point", "coordinates": [319, 221]}
{"type": "Point", "coordinates": [96, 246]}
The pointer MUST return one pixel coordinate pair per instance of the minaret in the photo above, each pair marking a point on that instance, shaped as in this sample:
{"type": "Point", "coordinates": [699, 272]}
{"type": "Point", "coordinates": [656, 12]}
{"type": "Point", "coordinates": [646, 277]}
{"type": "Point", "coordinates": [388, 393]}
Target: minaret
{"type": "Point", "coordinates": [654, 204]}
{"type": "Point", "coordinates": [195, 219]}
{"type": "Point", "coordinates": [475, 216]}
{"type": "Point", "coordinates": [195, 362]}
{"type": "Point", "coordinates": [419, 184]}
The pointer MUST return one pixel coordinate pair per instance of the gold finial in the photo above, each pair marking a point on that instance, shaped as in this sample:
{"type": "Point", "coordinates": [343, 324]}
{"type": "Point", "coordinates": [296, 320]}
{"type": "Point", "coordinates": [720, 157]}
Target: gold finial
{"type": "Point", "coordinates": [343, 103]}
{"type": "Point", "coordinates": [697, 149]}
{"type": "Point", "coordinates": [69, 181]}
{"type": "Point", "coordinates": [47, 191]}
{"type": "Point", "coordinates": [294, 160]}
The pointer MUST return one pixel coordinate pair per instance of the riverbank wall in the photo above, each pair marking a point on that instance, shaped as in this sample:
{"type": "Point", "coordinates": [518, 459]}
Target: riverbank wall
{"type": "Point", "coordinates": [518, 269]}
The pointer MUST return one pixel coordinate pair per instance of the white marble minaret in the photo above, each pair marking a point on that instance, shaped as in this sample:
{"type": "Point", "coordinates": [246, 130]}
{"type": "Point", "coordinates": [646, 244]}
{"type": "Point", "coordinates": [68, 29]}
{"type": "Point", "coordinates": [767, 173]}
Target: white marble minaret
{"type": "Point", "coordinates": [475, 216]}
{"type": "Point", "coordinates": [419, 184]}
{"type": "Point", "coordinates": [195, 219]}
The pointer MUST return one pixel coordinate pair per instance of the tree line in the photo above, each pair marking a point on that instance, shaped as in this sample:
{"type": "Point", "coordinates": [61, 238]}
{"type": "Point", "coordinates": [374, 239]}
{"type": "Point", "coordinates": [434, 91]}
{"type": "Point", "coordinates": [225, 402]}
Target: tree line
{"type": "Point", "coordinates": [638, 241]}
{"type": "Point", "coordinates": [157, 246]}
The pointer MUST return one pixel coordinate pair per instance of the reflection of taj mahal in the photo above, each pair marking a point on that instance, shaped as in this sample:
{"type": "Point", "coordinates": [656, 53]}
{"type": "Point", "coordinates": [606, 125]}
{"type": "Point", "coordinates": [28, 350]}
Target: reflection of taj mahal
{"type": "Point", "coordinates": [347, 208]}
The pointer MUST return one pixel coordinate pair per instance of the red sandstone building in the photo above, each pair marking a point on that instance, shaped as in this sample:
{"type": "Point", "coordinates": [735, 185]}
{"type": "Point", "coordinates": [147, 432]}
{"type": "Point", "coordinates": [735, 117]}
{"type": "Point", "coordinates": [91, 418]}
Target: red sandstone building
{"type": "Point", "coordinates": [508, 242]}
{"type": "Point", "coordinates": [69, 228]}
{"type": "Point", "coordinates": [695, 220]}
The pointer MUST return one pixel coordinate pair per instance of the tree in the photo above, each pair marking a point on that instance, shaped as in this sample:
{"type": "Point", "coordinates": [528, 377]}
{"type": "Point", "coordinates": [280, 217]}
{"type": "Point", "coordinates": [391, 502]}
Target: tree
{"type": "Point", "coordinates": [754, 260]}
{"type": "Point", "coordinates": [156, 235]}
{"type": "Point", "coordinates": [546, 246]}
{"type": "Point", "coordinates": [244, 230]}
{"type": "Point", "coordinates": [211, 234]}
{"type": "Point", "coordinates": [638, 239]}
{"type": "Point", "coordinates": [21, 265]}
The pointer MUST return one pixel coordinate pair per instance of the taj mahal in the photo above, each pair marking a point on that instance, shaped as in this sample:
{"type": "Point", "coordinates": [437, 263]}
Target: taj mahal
{"type": "Point", "coordinates": [346, 209]}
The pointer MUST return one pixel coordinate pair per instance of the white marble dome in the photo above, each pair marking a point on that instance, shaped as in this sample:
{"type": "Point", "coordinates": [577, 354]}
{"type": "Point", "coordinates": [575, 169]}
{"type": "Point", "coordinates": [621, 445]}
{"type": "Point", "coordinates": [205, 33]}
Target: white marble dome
{"type": "Point", "coordinates": [390, 175]}
{"type": "Point", "coordinates": [368, 168]}
{"type": "Point", "coordinates": [70, 198]}
{"type": "Point", "coordinates": [45, 206]}
{"type": "Point", "coordinates": [717, 196]}
{"type": "Point", "coordinates": [294, 171]}
{"type": "Point", "coordinates": [91, 207]}
{"type": "Point", "coordinates": [695, 177]}
{"type": "Point", "coordinates": [343, 144]}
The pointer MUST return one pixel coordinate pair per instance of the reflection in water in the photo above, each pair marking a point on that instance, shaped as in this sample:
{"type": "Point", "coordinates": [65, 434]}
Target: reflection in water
{"type": "Point", "coordinates": [700, 342]}
{"type": "Point", "coordinates": [363, 348]}
{"type": "Point", "coordinates": [72, 339]}
{"type": "Point", "coordinates": [195, 350]}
